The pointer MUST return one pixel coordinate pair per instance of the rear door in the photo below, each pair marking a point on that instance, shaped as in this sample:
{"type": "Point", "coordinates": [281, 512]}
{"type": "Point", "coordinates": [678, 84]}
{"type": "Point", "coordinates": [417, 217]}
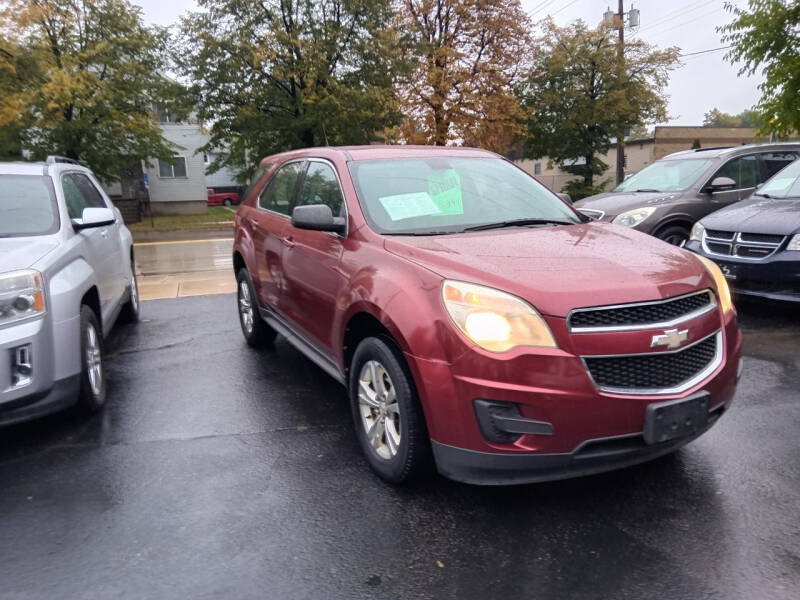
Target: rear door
{"type": "Point", "coordinates": [311, 259]}
{"type": "Point", "coordinates": [269, 223]}
{"type": "Point", "coordinates": [772, 162]}
{"type": "Point", "coordinates": [101, 244]}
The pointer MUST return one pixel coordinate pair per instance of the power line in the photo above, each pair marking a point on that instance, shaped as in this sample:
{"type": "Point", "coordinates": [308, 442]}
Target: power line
{"type": "Point", "coordinates": [553, 14]}
{"type": "Point", "coordinates": [540, 6]}
{"type": "Point", "coordinates": [705, 51]}
{"type": "Point", "coordinates": [679, 25]}
{"type": "Point", "coordinates": [676, 14]}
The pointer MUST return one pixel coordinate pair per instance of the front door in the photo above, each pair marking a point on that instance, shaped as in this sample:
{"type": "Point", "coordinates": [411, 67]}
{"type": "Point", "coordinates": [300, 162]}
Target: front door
{"type": "Point", "coordinates": [311, 259]}
{"type": "Point", "coordinates": [744, 170]}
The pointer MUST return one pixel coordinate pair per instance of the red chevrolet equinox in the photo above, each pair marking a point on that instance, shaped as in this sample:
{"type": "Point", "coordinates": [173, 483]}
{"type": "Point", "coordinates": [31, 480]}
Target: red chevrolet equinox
{"type": "Point", "coordinates": [478, 322]}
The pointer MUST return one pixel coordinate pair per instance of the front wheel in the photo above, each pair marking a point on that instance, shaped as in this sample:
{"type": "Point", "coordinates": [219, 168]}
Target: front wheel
{"type": "Point", "coordinates": [674, 234]}
{"type": "Point", "coordinates": [388, 418]}
{"type": "Point", "coordinates": [256, 332]}
{"type": "Point", "coordinates": [92, 395]}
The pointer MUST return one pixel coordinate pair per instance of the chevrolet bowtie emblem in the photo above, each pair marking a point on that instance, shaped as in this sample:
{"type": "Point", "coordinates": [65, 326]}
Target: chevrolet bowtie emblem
{"type": "Point", "coordinates": [671, 338]}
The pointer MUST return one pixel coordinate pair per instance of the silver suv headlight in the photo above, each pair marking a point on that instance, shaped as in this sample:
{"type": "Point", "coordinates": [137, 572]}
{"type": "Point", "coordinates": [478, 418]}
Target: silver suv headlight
{"type": "Point", "coordinates": [21, 295]}
{"type": "Point", "coordinates": [633, 217]}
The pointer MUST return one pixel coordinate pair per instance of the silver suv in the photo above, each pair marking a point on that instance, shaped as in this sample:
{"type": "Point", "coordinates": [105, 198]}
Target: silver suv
{"type": "Point", "coordinates": [668, 197]}
{"type": "Point", "coordinates": [66, 275]}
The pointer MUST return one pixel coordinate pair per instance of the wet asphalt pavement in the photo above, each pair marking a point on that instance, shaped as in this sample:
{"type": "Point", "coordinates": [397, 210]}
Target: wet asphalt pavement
{"type": "Point", "coordinates": [218, 471]}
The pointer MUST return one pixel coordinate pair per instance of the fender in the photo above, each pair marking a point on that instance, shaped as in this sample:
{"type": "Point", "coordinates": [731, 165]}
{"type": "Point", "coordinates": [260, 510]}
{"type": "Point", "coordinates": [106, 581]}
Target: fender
{"type": "Point", "coordinates": [243, 245]}
{"type": "Point", "coordinates": [673, 218]}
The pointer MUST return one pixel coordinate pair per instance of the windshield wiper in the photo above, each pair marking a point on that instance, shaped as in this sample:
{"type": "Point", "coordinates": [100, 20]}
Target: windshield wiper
{"type": "Point", "coordinates": [517, 223]}
{"type": "Point", "coordinates": [765, 196]}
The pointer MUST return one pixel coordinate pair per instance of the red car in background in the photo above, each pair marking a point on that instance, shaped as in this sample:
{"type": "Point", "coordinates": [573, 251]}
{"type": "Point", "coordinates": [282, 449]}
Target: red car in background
{"type": "Point", "coordinates": [222, 198]}
{"type": "Point", "coordinates": [478, 322]}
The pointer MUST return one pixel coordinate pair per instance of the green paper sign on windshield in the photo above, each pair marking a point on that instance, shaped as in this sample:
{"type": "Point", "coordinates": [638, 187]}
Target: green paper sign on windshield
{"type": "Point", "coordinates": [444, 188]}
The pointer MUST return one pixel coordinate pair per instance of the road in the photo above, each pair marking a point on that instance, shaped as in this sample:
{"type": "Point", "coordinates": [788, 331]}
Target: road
{"type": "Point", "coordinates": [220, 472]}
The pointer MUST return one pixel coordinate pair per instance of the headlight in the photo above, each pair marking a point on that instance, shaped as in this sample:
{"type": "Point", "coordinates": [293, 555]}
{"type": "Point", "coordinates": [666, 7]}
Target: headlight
{"type": "Point", "coordinates": [21, 296]}
{"type": "Point", "coordinates": [794, 243]}
{"type": "Point", "coordinates": [723, 290]}
{"type": "Point", "coordinates": [494, 320]}
{"type": "Point", "coordinates": [697, 232]}
{"type": "Point", "coordinates": [633, 217]}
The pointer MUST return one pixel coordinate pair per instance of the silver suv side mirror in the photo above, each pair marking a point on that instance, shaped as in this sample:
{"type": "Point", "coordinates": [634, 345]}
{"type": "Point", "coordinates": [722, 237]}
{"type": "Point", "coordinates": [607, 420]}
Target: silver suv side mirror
{"type": "Point", "coordinates": [94, 217]}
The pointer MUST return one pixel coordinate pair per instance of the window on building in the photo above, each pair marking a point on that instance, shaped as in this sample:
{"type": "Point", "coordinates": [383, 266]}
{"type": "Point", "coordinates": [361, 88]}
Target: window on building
{"type": "Point", "coordinates": [537, 169]}
{"type": "Point", "coordinates": [176, 168]}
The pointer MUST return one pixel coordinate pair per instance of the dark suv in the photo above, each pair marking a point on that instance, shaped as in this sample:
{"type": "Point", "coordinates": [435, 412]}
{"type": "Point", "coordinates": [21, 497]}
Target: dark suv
{"type": "Point", "coordinates": [668, 197]}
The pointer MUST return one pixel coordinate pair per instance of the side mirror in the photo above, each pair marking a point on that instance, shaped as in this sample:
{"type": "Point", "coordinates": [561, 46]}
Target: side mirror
{"type": "Point", "coordinates": [721, 184]}
{"type": "Point", "coordinates": [317, 217]}
{"type": "Point", "coordinates": [94, 217]}
{"type": "Point", "coordinates": [565, 197]}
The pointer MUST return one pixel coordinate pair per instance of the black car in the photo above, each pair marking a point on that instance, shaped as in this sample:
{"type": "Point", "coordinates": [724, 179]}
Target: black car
{"type": "Point", "coordinates": [756, 242]}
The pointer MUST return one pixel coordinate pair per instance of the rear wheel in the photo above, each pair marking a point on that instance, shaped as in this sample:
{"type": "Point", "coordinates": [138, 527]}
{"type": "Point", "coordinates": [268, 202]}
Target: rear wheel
{"type": "Point", "coordinates": [227, 202]}
{"type": "Point", "coordinates": [673, 234]}
{"type": "Point", "coordinates": [256, 332]}
{"type": "Point", "coordinates": [130, 311]}
{"type": "Point", "coordinates": [92, 395]}
{"type": "Point", "coordinates": [388, 418]}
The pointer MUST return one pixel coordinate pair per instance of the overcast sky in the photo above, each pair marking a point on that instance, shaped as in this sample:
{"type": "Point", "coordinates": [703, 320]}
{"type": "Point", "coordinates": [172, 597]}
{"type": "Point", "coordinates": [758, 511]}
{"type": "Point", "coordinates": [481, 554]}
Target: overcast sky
{"type": "Point", "coordinates": [703, 82]}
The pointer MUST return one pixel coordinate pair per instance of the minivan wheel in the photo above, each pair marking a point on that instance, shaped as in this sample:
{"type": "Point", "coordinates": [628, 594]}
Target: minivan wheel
{"type": "Point", "coordinates": [388, 418]}
{"type": "Point", "coordinates": [675, 235]}
{"type": "Point", "coordinates": [256, 332]}
{"type": "Point", "coordinates": [92, 393]}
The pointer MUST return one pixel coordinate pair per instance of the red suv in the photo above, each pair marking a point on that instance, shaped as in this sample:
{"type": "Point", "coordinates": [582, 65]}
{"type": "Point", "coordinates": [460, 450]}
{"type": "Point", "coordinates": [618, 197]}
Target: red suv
{"type": "Point", "coordinates": [478, 322]}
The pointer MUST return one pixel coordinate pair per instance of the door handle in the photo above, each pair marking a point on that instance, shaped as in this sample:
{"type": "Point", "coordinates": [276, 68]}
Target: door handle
{"type": "Point", "coordinates": [253, 222]}
{"type": "Point", "coordinates": [104, 233]}
{"type": "Point", "coordinates": [288, 241]}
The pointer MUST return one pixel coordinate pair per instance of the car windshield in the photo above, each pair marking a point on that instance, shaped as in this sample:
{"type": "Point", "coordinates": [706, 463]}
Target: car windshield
{"type": "Point", "coordinates": [439, 195]}
{"type": "Point", "coordinates": [666, 176]}
{"type": "Point", "coordinates": [27, 206]}
{"type": "Point", "coordinates": [784, 184]}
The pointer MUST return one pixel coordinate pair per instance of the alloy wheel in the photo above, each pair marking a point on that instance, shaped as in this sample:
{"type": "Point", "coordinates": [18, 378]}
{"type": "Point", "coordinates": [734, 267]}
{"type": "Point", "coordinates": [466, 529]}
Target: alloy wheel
{"type": "Point", "coordinates": [379, 410]}
{"type": "Point", "coordinates": [246, 307]}
{"type": "Point", "coordinates": [94, 360]}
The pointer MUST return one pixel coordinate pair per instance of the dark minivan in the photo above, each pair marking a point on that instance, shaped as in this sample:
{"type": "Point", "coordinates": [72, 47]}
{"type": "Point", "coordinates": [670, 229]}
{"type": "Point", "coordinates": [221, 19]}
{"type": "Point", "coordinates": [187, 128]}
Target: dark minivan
{"type": "Point", "coordinates": [668, 197]}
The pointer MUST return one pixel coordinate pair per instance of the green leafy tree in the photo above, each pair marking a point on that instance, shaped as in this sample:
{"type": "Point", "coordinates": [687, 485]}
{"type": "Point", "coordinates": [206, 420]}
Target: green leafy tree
{"type": "Point", "coordinates": [282, 74]}
{"type": "Point", "coordinates": [575, 99]}
{"type": "Point", "coordinates": [82, 77]}
{"type": "Point", "coordinates": [764, 38]}
{"type": "Point", "coordinates": [717, 118]}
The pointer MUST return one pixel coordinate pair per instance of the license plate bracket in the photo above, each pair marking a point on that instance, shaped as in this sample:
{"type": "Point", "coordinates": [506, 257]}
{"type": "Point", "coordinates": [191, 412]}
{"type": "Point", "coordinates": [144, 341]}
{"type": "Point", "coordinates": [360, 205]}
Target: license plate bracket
{"type": "Point", "coordinates": [673, 419]}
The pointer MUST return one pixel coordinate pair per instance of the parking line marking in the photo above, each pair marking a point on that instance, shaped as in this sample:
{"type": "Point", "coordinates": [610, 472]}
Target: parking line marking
{"type": "Point", "coordinates": [183, 242]}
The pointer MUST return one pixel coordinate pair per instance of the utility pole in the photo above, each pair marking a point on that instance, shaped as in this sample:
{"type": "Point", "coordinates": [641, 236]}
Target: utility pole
{"type": "Point", "coordinates": [617, 21]}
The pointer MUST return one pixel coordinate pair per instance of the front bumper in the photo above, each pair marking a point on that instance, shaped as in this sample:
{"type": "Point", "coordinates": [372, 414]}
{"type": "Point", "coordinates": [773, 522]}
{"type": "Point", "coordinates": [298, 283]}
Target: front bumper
{"type": "Point", "coordinates": [590, 430]}
{"type": "Point", "coordinates": [776, 277]}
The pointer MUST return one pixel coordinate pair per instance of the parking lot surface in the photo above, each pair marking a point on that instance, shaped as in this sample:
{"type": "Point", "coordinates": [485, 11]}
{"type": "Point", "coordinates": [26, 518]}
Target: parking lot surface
{"type": "Point", "coordinates": [219, 471]}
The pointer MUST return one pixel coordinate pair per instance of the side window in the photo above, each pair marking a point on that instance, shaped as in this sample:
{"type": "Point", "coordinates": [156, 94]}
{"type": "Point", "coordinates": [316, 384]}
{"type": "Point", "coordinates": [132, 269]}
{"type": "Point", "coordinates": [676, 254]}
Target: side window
{"type": "Point", "coordinates": [775, 161]}
{"type": "Point", "coordinates": [320, 186]}
{"type": "Point", "coordinates": [80, 193]}
{"type": "Point", "coordinates": [279, 193]}
{"type": "Point", "coordinates": [743, 170]}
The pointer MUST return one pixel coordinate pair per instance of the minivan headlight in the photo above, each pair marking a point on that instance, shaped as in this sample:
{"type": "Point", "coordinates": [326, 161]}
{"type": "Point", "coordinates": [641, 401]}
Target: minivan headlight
{"type": "Point", "coordinates": [21, 295]}
{"type": "Point", "coordinates": [633, 217]}
{"type": "Point", "coordinates": [723, 289]}
{"type": "Point", "coordinates": [494, 320]}
{"type": "Point", "coordinates": [697, 232]}
{"type": "Point", "coordinates": [794, 243]}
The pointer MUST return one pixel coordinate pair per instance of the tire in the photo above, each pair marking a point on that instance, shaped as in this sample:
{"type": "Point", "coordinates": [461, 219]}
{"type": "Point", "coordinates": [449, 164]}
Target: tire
{"type": "Point", "coordinates": [227, 202]}
{"type": "Point", "coordinates": [256, 332]}
{"type": "Point", "coordinates": [92, 394]}
{"type": "Point", "coordinates": [400, 451]}
{"type": "Point", "coordinates": [673, 234]}
{"type": "Point", "coordinates": [130, 310]}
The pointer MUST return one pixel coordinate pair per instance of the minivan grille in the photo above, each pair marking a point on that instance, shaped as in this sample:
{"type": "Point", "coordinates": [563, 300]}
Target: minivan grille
{"type": "Point", "coordinates": [754, 246]}
{"type": "Point", "coordinates": [641, 314]}
{"type": "Point", "coordinates": [652, 372]}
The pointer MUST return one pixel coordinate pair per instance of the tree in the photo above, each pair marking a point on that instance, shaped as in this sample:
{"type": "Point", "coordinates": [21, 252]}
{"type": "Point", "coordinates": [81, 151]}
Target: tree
{"type": "Point", "coordinates": [764, 37]}
{"type": "Point", "coordinates": [83, 77]}
{"type": "Point", "coordinates": [282, 74]}
{"type": "Point", "coordinates": [575, 100]}
{"type": "Point", "coordinates": [716, 118]}
{"type": "Point", "coordinates": [464, 58]}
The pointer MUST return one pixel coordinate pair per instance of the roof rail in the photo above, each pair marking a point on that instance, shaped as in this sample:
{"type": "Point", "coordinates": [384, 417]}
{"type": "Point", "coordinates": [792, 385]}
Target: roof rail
{"type": "Point", "coordinates": [713, 148]}
{"type": "Point", "coordinates": [54, 159]}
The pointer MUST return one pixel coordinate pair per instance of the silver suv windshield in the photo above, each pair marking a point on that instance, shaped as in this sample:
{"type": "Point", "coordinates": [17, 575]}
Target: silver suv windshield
{"type": "Point", "coordinates": [666, 176]}
{"type": "Point", "coordinates": [27, 206]}
{"type": "Point", "coordinates": [784, 184]}
{"type": "Point", "coordinates": [442, 194]}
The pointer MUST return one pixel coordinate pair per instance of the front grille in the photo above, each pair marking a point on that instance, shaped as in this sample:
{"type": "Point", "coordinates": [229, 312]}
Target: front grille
{"type": "Point", "coordinates": [642, 314]}
{"type": "Point", "coordinates": [653, 372]}
{"type": "Point", "coordinates": [753, 246]}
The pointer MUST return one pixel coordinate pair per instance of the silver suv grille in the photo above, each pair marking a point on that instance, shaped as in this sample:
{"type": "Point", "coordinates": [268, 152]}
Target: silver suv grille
{"type": "Point", "coordinates": [750, 246]}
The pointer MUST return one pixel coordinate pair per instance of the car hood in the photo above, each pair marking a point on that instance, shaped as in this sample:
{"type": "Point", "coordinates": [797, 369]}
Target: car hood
{"type": "Point", "coordinates": [24, 252]}
{"type": "Point", "coordinates": [615, 203]}
{"type": "Point", "coordinates": [558, 268]}
{"type": "Point", "coordinates": [757, 215]}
